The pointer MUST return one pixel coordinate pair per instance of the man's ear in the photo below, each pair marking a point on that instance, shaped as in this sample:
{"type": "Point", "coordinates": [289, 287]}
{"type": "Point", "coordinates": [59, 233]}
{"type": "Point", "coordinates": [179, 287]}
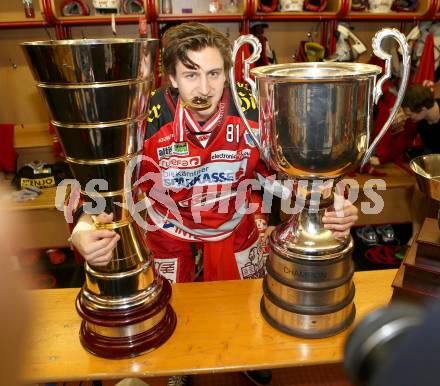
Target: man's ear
{"type": "Point", "coordinates": [173, 81]}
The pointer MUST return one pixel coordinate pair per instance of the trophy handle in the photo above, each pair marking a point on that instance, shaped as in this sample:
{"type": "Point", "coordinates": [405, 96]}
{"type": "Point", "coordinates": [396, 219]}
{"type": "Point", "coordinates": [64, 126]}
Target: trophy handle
{"type": "Point", "coordinates": [256, 51]}
{"type": "Point", "coordinates": [377, 92]}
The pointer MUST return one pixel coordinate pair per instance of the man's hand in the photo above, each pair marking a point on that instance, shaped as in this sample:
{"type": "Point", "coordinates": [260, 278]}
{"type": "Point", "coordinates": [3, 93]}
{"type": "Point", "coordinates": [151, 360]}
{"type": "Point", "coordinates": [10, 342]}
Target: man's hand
{"type": "Point", "coordinates": [96, 245]}
{"type": "Point", "coordinates": [341, 219]}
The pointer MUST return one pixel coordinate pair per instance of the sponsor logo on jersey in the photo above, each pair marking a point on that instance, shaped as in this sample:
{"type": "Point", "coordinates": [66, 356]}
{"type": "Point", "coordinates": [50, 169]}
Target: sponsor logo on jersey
{"type": "Point", "coordinates": [180, 148]}
{"type": "Point", "coordinates": [167, 268]}
{"type": "Point", "coordinates": [246, 100]}
{"type": "Point", "coordinates": [223, 155]}
{"type": "Point", "coordinates": [177, 162]}
{"type": "Point", "coordinates": [232, 155]}
{"type": "Point", "coordinates": [248, 139]}
{"type": "Point", "coordinates": [165, 139]}
{"type": "Point", "coordinates": [215, 173]}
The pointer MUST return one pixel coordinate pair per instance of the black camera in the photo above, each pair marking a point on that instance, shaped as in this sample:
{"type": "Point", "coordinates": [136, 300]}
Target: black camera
{"type": "Point", "coordinates": [376, 343]}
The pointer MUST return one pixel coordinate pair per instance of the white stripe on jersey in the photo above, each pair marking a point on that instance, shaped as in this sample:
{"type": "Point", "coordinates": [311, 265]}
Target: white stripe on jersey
{"type": "Point", "coordinates": [202, 234]}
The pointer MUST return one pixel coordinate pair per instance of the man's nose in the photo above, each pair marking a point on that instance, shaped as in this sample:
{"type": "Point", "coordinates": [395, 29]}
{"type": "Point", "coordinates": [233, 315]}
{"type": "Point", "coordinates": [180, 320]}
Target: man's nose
{"type": "Point", "coordinates": [204, 86]}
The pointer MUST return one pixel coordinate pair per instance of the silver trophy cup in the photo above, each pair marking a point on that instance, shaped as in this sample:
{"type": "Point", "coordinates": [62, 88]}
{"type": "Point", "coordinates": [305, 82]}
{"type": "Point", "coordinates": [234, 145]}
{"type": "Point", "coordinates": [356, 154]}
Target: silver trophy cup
{"type": "Point", "coordinates": [97, 94]}
{"type": "Point", "coordinates": [314, 126]}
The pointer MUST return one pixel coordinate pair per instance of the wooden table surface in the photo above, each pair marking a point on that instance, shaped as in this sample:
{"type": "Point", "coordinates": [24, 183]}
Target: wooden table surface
{"type": "Point", "coordinates": [219, 329]}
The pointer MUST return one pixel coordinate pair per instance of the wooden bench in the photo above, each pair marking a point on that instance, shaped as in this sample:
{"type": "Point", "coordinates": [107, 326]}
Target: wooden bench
{"type": "Point", "coordinates": [398, 196]}
{"type": "Point", "coordinates": [219, 329]}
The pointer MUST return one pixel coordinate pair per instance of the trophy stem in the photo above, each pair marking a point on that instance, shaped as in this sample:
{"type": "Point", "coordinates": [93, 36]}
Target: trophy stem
{"type": "Point", "coordinates": [308, 289]}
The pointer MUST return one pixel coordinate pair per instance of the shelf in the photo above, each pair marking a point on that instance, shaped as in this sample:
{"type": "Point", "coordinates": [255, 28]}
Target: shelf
{"type": "Point", "coordinates": [46, 200]}
{"type": "Point", "coordinates": [93, 18]}
{"type": "Point", "coordinates": [12, 15]}
{"type": "Point", "coordinates": [340, 9]}
{"type": "Point", "coordinates": [99, 19]}
{"type": "Point", "coordinates": [162, 18]}
{"type": "Point", "coordinates": [333, 9]}
{"type": "Point", "coordinates": [392, 15]}
{"type": "Point", "coordinates": [48, 14]}
{"type": "Point", "coordinates": [32, 135]}
{"type": "Point", "coordinates": [199, 11]}
{"type": "Point", "coordinates": [426, 8]}
{"type": "Point", "coordinates": [274, 16]}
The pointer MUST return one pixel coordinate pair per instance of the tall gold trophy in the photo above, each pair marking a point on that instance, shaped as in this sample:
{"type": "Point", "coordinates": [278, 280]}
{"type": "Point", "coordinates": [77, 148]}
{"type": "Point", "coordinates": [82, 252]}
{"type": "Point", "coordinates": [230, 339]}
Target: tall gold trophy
{"type": "Point", "coordinates": [314, 126]}
{"type": "Point", "coordinates": [97, 94]}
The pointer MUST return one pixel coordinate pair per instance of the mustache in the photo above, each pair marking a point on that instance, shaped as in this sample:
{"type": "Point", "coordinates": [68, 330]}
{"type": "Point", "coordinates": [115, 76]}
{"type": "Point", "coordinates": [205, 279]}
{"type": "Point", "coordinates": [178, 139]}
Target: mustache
{"type": "Point", "coordinates": [198, 103]}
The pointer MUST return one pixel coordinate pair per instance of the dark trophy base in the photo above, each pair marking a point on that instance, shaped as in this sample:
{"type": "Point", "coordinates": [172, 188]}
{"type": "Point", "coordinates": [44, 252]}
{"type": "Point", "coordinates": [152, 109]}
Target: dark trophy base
{"type": "Point", "coordinates": [111, 345]}
{"type": "Point", "coordinates": [418, 278]}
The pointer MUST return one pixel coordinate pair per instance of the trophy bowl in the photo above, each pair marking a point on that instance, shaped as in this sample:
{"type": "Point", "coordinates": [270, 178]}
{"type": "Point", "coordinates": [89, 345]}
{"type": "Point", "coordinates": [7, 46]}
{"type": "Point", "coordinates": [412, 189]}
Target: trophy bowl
{"type": "Point", "coordinates": [90, 60]}
{"type": "Point", "coordinates": [315, 116]}
{"type": "Point", "coordinates": [427, 171]}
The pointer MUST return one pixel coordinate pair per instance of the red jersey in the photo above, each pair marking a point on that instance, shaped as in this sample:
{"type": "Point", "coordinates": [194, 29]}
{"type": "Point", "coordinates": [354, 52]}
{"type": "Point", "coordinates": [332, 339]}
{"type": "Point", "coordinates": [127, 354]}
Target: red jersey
{"type": "Point", "coordinates": [195, 173]}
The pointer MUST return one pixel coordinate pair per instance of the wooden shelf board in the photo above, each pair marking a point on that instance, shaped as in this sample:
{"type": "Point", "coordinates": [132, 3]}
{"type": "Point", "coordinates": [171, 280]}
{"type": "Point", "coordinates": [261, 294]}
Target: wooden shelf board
{"type": "Point", "coordinates": [44, 201]}
{"type": "Point", "coordinates": [200, 17]}
{"type": "Point", "coordinates": [32, 135]}
{"type": "Point", "coordinates": [6, 17]}
{"type": "Point", "coordinates": [294, 15]}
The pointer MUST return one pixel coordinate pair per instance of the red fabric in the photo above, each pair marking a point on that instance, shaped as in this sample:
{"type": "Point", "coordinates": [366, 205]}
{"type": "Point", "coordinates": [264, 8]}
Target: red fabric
{"type": "Point", "coordinates": [425, 70]}
{"type": "Point", "coordinates": [242, 54]}
{"type": "Point", "coordinates": [175, 257]}
{"type": "Point", "coordinates": [268, 8]}
{"type": "Point", "coordinates": [219, 260]}
{"type": "Point", "coordinates": [56, 146]}
{"type": "Point", "coordinates": [8, 155]}
{"type": "Point", "coordinates": [392, 146]}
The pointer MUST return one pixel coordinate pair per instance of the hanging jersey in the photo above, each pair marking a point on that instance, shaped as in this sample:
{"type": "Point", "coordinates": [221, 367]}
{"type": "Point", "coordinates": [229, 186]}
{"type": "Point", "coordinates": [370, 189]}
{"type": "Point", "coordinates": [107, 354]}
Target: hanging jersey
{"type": "Point", "coordinates": [194, 174]}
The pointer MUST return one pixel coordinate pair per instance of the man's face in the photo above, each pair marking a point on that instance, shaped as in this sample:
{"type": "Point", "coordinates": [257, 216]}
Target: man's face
{"type": "Point", "coordinates": [415, 117]}
{"type": "Point", "coordinates": [206, 81]}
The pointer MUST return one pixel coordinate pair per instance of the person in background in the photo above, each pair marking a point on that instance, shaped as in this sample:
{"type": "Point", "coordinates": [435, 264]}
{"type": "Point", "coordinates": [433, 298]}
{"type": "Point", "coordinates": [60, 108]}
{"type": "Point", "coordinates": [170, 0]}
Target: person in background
{"type": "Point", "coordinates": [420, 106]}
{"type": "Point", "coordinates": [198, 152]}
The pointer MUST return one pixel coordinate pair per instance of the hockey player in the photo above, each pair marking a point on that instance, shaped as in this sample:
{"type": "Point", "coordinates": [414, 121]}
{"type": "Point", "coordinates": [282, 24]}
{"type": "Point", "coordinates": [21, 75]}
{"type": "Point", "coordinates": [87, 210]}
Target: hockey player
{"type": "Point", "coordinates": [198, 153]}
{"type": "Point", "coordinates": [198, 149]}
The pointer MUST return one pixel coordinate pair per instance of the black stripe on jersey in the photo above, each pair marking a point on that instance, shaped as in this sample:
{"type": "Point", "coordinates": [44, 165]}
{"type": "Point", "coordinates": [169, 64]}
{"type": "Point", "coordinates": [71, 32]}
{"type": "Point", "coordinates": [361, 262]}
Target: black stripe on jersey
{"type": "Point", "coordinates": [247, 103]}
{"type": "Point", "coordinates": [158, 114]}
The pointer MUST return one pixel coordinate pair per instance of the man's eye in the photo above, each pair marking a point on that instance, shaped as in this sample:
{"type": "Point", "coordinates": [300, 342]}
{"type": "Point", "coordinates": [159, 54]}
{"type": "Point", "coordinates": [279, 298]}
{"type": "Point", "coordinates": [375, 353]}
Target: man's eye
{"type": "Point", "coordinates": [190, 76]}
{"type": "Point", "coordinates": [214, 74]}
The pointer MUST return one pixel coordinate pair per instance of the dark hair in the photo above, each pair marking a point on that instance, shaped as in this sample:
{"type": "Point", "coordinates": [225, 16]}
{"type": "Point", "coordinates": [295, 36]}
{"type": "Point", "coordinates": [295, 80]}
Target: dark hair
{"type": "Point", "coordinates": [417, 97]}
{"type": "Point", "coordinates": [178, 40]}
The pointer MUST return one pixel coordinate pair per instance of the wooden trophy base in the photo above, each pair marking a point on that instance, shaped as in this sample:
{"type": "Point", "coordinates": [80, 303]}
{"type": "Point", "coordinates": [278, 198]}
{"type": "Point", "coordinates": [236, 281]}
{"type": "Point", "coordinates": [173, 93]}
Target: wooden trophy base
{"type": "Point", "coordinates": [418, 278]}
{"type": "Point", "coordinates": [115, 334]}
